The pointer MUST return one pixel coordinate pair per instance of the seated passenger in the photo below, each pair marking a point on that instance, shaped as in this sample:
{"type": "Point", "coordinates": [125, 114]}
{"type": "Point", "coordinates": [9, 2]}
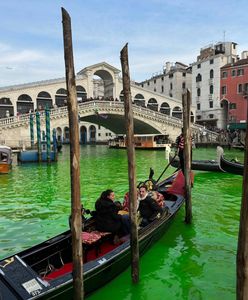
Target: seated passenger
{"type": "Point", "coordinates": [148, 207]}
{"type": "Point", "coordinates": [107, 217]}
{"type": "Point", "coordinates": [158, 197]}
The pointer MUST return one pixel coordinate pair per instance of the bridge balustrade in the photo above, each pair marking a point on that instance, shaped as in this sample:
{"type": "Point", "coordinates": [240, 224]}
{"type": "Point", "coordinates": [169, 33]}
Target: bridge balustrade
{"type": "Point", "coordinates": [104, 107]}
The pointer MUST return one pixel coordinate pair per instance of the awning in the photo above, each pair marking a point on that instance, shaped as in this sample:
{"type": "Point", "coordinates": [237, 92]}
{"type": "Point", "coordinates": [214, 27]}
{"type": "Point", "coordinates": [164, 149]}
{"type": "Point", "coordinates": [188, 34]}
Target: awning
{"type": "Point", "coordinates": [237, 126]}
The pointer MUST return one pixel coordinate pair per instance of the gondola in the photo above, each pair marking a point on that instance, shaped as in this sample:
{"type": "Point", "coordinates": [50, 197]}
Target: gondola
{"type": "Point", "coordinates": [44, 271]}
{"type": "Point", "coordinates": [5, 159]}
{"type": "Point", "coordinates": [201, 165]}
{"type": "Point", "coordinates": [232, 166]}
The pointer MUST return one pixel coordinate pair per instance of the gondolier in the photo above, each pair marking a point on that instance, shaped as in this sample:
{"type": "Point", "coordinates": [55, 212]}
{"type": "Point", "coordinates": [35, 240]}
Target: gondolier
{"type": "Point", "coordinates": [180, 149]}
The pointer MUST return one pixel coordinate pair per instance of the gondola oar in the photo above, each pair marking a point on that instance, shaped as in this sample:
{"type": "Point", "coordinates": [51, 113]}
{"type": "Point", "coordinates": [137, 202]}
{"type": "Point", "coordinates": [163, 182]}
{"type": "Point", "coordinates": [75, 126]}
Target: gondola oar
{"type": "Point", "coordinates": [166, 167]}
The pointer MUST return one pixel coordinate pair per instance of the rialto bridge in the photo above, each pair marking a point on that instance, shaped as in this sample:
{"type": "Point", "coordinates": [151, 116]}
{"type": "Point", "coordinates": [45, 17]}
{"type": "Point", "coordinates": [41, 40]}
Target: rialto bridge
{"type": "Point", "coordinates": [14, 131]}
{"type": "Point", "coordinates": [100, 81]}
{"type": "Point", "coordinates": [153, 112]}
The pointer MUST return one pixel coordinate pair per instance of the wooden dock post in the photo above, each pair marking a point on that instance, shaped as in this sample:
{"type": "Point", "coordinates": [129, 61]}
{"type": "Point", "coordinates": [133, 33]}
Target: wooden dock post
{"type": "Point", "coordinates": [72, 105]}
{"type": "Point", "coordinates": [131, 165]}
{"type": "Point", "coordinates": [187, 154]}
{"type": "Point", "coordinates": [242, 253]}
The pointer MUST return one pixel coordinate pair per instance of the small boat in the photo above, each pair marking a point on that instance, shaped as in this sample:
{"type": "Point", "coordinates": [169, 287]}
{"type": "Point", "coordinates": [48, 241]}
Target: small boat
{"type": "Point", "coordinates": [44, 271]}
{"type": "Point", "coordinates": [200, 165]}
{"type": "Point", "coordinates": [5, 159]}
{"type": "Point", "coordinates": [142, 141]}
{"type": "Point", "coordinates": [231, 166]}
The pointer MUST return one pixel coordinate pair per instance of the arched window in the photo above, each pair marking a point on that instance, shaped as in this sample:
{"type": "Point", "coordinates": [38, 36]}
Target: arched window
{"type": "Point", "coordinates": [66, 135]}
{"type": "Point", "coordinates": [211, 73]}
{"type": "Point", "coordinates": [6, 108]}
{"type": "Point", "coordinates": [24, 104]}
{"type": "Point", "coordinates": [153, 104]}
{"type": "Point", "coordinates": [198, 77]}
{"type": "Point", "coordinates": [139, 99]}
{"type": "Point", "coordinates": [92, 132]}
{"type": "Point", "coordinates": [177, 112]}
{"type": "Point", "coordinates": [211, 89]}
{"type": "Point", "coordinates": [60, 97]}
{"type": "Point", "coordinates": [198, 92]}
{"type": "Point", "coordinates": [122, 96]}
{"type": "Point", "coordinates": [81, 93]}
{"type": "Point", "coordinates": [83, 135]}
{"type": "Point", "coordinates": [44, 99]}
{"type": "Point", "coordinates": [165, 108]}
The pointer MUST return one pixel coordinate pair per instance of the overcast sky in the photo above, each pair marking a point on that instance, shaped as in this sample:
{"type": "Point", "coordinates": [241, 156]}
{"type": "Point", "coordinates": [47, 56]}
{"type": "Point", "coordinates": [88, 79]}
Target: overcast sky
{"type": "Point", "coordinates": [31, 41]}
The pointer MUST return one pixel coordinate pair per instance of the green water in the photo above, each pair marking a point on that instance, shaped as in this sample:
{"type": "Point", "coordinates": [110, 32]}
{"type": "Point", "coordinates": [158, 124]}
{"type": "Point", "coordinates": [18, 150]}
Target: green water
{"type": "Point", "coordinates": [189, 262]}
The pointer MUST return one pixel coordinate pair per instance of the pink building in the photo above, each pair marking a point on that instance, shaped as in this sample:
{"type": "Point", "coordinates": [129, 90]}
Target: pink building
{"type": "Point", "coordinates": [233, 92]}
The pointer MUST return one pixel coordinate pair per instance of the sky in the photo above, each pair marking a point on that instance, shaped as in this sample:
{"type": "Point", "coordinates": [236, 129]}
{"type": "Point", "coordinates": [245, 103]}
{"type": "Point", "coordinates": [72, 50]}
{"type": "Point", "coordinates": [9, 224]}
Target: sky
{"type": "Point", "coordinates": [157, 31]}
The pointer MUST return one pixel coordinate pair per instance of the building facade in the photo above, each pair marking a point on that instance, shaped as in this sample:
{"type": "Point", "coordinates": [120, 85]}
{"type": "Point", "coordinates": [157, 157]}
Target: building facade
{"type": "Point", "coordinates": [206, 83]}
{"type": "Point", "coordinates": [172, 82]}
{"type": "Point", "coordinates": [233, 92]}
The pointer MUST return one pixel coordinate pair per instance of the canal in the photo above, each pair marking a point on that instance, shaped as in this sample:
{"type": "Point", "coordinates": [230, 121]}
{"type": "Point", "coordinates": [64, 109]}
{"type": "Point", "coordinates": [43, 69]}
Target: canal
{"type": "Point", "coordinates": [189, 262]}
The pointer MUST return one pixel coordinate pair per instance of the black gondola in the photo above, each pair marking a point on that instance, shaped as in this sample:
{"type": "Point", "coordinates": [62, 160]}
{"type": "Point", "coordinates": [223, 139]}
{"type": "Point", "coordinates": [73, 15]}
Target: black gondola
{"type": "Point", "coordinates": [200, 165]}
{"type": "Point", "coordinates": [232, 166]}
{"type": "Point", "coordinates": [44, 271]}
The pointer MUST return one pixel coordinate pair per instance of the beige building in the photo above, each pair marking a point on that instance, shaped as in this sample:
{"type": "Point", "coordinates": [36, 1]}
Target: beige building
{"type": "Point", "coordinates": [172, 82]}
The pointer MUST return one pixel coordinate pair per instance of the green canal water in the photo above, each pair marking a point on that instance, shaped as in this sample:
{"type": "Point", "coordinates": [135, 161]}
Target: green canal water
{"type": "Point", "coordinates": [189, 262]}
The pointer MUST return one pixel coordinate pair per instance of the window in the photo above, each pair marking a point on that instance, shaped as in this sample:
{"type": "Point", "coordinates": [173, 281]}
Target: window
{"type": "Point", "coordinates": [171, 95]}
{"type": "Point", "coordinates": [155, 89]}
{"type": "Point", "coordinates": [240, 88]}
{"type": "Point", "coordinates": [184, 74]}
{"type": "Point", "coordinates": [233, 73]}
{"type": "Point", "coordinates": [211, 89]}
{"type": "Point", "coordinates": [245, 88]}
{"type": "Point", "coordinates": [106, 133]}
{"type": "Point", "coordinates": [211, 104]}
{"type": "Point", "coordinates": [198, 117]}
{"type": "Point", "coordinates": [99, 134]}
{"type": "Point", "coordinates": [148, 83]}
{"type": "Point", "coordinates": [198, 106]}
{"type": "Point", "coordinates": [162, 78]}
{"type": "Point", "coordinates": [224, 74]}
{"type": "Point", "coordinates": [171, 75]}
{"type": "Point", "coordinates": [99, 127]}
{"type": "Point", "coordinates": [211, 61]}
{"type": "Point", "coordinates": [162, 89]}
{"type": "Point", "coordinates": [198, 66]}
{"type": "Point", "coordinates": [183, 85]}
{"type": "Point", "coordinates": [171, 86]}
{"type": "Point", "coordinates": [211, 116]}
{"type": "Point", "coordinates": [223, 90]}
{"type": "Point", "coordinates": [232, 105]}
{"type": "Point", "coordinates": [240, 72]}
{"type": "Point", "coordinates": [211, 73]}
{"type": "Point", "coordinates": [198, 92]}
{"type": "Point", "coordinates": [154, 81]}
{"type": "Point", "coordinates": [198, 78]}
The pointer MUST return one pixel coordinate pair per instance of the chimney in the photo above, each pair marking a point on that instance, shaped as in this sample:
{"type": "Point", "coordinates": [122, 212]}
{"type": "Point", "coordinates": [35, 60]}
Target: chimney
{"type": "Point", "coordinates": [168, 66]}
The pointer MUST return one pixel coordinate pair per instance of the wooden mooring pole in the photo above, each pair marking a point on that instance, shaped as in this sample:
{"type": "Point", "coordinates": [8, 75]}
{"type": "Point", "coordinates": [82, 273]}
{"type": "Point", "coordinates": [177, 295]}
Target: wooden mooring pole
{"type": "Point", "coordinates": [187, 155]}
{"type": "Point", "coordinates": [72, 106]}
{"type": "Point", "coordinates": [131, 165]}
{"type": "Point", "coordinates": [242, 253]}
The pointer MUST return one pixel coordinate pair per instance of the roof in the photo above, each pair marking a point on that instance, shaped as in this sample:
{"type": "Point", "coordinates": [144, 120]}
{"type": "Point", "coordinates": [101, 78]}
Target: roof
{"type": "Point", "coordinates": [240, 62]}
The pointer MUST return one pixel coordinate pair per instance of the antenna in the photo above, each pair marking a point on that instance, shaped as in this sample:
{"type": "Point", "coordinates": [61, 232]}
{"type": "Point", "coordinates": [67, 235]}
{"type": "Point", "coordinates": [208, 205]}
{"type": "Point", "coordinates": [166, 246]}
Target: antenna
{"type": "Point", "coordinates": [224, 36]}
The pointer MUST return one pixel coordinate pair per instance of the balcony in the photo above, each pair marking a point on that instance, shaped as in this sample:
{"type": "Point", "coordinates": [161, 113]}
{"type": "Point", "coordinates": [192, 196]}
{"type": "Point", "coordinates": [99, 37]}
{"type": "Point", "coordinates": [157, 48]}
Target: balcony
{"type": "Point", "coordinates": [210, 97]}
{"type": "Point", "coordinates": [210, 81]}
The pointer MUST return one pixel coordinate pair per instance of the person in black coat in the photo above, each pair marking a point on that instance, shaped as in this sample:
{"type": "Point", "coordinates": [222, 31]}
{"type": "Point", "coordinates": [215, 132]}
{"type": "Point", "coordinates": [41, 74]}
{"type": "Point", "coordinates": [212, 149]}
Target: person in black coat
{"type": "Point", "coordinates": [148, 207]}
{"type": "Point", "coordinates": [107, 217]}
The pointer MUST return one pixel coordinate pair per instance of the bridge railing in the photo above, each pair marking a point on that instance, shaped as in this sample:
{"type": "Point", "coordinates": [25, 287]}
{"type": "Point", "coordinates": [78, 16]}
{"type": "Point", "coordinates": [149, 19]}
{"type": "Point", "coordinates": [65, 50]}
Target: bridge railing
{"type": "Point", "coordinates": [99, 106]}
